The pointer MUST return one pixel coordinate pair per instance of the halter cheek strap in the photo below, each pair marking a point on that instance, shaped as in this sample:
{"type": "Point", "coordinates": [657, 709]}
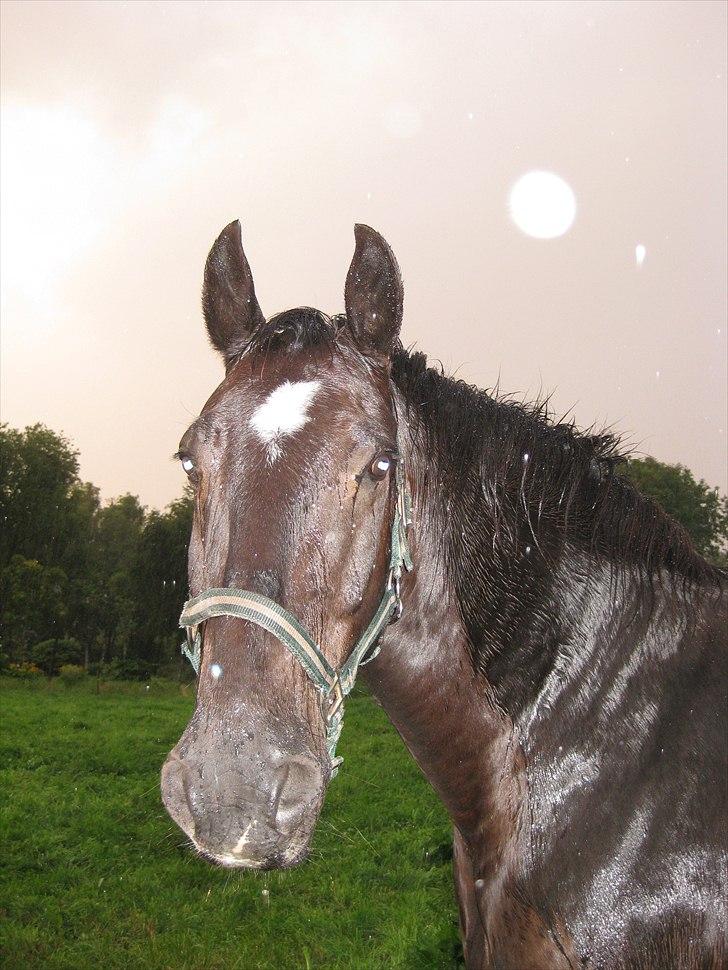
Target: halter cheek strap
{"type": "Point", "coordinates": [333, 685]}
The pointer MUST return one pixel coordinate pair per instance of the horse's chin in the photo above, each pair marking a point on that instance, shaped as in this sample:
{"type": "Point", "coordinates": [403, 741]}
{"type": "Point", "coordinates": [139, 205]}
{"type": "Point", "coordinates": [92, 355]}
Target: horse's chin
{"type": "Point", "coordinates": [288, 859]}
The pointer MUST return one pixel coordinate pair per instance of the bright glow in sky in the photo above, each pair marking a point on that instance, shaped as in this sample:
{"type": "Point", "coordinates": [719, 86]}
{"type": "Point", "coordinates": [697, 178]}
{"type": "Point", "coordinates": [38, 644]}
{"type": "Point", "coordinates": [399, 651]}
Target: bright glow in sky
{"type": "Point", "coordinates": [50, 213]}
{"type": "Point", "coordinates": [542, 205]}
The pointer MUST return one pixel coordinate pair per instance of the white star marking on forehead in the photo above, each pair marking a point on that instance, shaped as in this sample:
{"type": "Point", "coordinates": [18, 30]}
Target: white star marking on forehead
{"type": "Point", "coordinates": [283, 412]}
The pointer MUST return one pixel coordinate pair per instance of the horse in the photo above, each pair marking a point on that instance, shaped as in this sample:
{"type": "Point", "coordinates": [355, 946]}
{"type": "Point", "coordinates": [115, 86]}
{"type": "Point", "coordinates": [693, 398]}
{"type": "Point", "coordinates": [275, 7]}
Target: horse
{"type": "Point", "coordinates": [546, 640]}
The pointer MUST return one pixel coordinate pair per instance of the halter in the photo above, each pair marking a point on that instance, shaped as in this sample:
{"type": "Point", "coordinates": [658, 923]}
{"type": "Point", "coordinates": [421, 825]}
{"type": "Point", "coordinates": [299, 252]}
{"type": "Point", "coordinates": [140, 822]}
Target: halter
{"type": "Point", "coordinates": [333, 685]}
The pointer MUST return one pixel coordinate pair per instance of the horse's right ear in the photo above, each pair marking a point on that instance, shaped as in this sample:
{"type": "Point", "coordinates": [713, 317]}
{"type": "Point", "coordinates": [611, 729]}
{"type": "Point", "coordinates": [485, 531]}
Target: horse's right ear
{"type": "Point", "coordinates": [228, 295]}
{"type": "Point", "coordinates": [373, 294]}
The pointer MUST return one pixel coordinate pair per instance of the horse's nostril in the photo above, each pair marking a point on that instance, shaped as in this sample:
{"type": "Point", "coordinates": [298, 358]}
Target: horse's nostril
{"type": "Point", "coordinates": [174, 794]}
{"type": "Point", "coordinates": [299, 782]}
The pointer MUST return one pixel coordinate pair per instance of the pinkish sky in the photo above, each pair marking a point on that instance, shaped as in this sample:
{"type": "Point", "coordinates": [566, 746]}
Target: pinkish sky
{"type": "Point", "coordinates": [133, 132]}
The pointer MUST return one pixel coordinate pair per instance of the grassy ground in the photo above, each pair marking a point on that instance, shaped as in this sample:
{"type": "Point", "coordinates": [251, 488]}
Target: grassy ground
{"type": "Point", "coordinates": [96, 875]}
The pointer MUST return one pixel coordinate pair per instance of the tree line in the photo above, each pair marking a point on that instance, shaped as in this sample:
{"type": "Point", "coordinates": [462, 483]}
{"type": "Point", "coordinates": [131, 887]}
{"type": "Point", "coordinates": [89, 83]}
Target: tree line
{"type": "Point", "coordinates": [101, 585]}
{"type": "Point", "coordinates": [84, 582]}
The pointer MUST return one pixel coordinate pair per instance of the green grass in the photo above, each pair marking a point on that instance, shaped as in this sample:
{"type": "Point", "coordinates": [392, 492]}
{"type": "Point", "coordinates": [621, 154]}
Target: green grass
{"type": "Point", "coordinates": [95, 874]}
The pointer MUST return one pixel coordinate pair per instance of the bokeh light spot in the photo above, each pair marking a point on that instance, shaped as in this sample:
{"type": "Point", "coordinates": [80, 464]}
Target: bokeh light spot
{"type": "Point", "coordinates": [542, 205]}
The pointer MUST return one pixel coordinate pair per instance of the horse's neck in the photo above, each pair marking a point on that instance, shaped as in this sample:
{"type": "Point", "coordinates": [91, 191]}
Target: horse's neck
{"type": "Point", "coordinates": [464, 722]}
{"type": "Point", "coordinates": [466, 745]}
{"type": "Point", "coordinates": [444, 709]}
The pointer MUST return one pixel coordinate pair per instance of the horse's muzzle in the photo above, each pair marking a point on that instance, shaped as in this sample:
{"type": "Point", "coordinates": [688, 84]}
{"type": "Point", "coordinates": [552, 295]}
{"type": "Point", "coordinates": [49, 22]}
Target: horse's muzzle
{"type": "Point", "coordinates": [260, 819]}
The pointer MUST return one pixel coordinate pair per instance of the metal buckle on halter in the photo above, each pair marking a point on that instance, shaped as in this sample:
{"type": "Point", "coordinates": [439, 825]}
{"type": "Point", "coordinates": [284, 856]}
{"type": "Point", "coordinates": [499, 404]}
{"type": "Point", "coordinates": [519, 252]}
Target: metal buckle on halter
{"type": "Point", "coordinates": [192, 647]}
{"type": "Point", "coordinates": [394, 582]}
{"type": "Point", "coordinates": [332, 700]}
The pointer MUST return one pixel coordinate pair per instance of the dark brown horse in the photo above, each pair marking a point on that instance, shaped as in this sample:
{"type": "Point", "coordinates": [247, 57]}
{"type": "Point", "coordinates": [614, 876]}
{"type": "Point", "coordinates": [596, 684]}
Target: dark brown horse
{"type": "Point", "coordinates": [558, 670]}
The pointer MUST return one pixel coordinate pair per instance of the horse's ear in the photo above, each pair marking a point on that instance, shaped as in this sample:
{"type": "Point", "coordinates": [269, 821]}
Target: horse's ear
{"type": "Point", "coordinates": [373, 295]}
{"type": "Point", "coordinates": [228, 295]}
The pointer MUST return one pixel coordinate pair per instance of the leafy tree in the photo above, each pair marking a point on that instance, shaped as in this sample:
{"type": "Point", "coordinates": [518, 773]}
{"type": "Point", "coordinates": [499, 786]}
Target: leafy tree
{"type": "Point", "coordinates": [34, 604]}
{"type": "Point", "coordinates": [698, 507]}
{"type": "Point", "coordinates": [78, 560]}
{"type": "Point", "coordinates": [110, 587]}
{"type": "Point", "coordinates": [118, 527]}
{"type": "Point", "coordinates": [38, 486]}
{"type": "Point", "coordinates": [160, 582]}
{"type": "Point", "coordinates": [47, 516]}
{"type": "Point", "coordinates": [112, 577]}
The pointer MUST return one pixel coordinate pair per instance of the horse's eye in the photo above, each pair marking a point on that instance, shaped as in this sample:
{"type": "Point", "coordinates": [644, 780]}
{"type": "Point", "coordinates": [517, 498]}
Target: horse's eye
{"type": "Point", "coordinates": [188, 465]}
{"type": "Point", "coordinates": [380, 466]}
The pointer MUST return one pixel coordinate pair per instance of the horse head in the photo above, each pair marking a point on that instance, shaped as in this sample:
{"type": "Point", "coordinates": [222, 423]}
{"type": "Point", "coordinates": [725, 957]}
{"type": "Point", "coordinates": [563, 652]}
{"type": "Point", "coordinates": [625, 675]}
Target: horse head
{"type": "Point", "coordinates": [293, 462]}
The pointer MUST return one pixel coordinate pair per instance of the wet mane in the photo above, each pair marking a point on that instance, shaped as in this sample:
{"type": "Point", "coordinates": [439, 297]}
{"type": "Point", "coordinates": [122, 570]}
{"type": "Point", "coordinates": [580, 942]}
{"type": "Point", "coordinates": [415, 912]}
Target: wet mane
{"type": "Point", "coordinates": [533, 477]}
{"type": "Point", "coordinates": [541, 478]}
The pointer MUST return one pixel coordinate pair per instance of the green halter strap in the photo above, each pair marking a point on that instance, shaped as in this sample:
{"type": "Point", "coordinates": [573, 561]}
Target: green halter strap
{"type": "Point", "coordinates": [333, 685]}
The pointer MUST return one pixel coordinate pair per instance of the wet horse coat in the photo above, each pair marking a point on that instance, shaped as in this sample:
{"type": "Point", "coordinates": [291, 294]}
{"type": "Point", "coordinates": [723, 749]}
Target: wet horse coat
{"type": "Point", "coordinates": [558, 671]}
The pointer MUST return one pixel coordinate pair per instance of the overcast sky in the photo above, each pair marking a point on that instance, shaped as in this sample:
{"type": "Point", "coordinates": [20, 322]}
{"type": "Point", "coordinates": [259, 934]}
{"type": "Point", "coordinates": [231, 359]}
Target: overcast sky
{"type": "Point", "coordinates": [133, 132]}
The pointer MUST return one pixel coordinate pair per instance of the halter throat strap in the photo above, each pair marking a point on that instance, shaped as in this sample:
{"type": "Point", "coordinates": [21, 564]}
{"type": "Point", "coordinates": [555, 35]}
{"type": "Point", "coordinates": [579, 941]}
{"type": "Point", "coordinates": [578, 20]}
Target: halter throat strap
{"type": "Point", "coordinates": [333, 685]}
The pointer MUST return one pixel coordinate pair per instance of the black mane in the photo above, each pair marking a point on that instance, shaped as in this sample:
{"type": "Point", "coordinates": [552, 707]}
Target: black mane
{"type": "Point", "coordinates": [541, 478]}
{"type": "Point", "coordinates": [535, 478]}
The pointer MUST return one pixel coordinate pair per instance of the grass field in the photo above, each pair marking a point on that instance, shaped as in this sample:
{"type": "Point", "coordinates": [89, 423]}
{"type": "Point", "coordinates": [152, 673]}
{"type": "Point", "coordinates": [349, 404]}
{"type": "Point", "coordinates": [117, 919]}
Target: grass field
{"type": "Point", "coordinates": [96, 875]}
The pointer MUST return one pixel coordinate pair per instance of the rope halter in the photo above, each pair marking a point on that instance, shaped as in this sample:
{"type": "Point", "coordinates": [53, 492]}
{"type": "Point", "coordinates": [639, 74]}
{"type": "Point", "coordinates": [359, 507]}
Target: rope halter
{"type": "Point", "coordinates": [333, 685]}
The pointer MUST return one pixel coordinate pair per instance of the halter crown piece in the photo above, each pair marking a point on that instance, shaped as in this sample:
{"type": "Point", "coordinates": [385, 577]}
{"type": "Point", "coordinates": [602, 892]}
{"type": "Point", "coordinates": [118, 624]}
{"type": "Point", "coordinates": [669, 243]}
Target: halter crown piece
{"type": "Point", "coordinates": [333, 685]}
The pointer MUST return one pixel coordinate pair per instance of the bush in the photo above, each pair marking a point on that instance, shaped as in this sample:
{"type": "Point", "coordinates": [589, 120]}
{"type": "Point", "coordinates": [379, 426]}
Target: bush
{"type": "Point", "coordinates": [25, 670]}
{"type": "Point", "coordinates": [71, 674]}
{"type": "Point", "coordinates": [125, 670]}
{"type": "Point", "coordinates": [51, 655]}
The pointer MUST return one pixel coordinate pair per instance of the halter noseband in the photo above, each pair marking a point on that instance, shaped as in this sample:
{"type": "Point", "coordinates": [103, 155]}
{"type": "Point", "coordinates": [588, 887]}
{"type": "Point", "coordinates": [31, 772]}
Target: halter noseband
{"type": "Point", "coordinates": [333, 685]}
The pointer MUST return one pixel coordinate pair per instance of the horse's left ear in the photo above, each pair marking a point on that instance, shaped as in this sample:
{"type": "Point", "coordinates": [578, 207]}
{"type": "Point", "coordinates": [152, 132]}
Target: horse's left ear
{"type": "Point", "coordinates": [373, 295]}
